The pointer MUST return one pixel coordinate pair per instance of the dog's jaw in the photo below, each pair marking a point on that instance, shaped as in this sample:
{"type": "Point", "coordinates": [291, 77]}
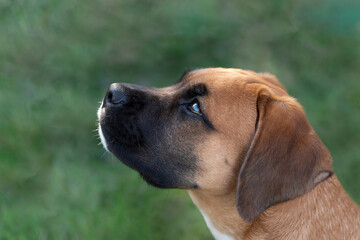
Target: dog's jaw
{"type": "Point", "coordinates": [101, 135]}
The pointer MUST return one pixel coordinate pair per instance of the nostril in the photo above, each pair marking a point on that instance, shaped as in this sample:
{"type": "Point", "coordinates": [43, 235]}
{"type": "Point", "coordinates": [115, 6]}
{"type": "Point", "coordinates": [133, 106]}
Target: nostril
{"type": "Point", "coordinates": [108, 97]}
{"type": "Point", "coordinates": [115, 95]}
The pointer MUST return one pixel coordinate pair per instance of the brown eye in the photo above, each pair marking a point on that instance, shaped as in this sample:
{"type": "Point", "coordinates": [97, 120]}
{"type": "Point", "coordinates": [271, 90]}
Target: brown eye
{"type": "Point", "coordinates": [195, 108]}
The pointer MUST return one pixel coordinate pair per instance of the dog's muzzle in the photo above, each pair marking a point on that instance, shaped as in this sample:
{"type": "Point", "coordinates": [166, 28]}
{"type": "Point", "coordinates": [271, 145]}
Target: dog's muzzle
{"type": "Point", "coordinates": [115, 97]}
{"type": "Point", "coordinates": [117, 116]}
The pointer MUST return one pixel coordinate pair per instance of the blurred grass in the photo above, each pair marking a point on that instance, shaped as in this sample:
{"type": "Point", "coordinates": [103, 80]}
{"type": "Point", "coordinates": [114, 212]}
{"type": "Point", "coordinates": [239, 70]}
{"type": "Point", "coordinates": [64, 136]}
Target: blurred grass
{"type": "Point", "coordinates": [58, 57]}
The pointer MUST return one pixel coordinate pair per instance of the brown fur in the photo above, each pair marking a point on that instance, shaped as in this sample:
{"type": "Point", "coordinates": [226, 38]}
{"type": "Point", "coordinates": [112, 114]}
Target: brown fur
{"type": "Point", "coordinates": [250, 160]}
{"type": "Point", "coordinates": [265, 174]}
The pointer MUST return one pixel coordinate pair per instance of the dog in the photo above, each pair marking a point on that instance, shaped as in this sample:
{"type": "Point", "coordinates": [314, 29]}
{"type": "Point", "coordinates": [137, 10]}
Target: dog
{"type": "Point", "coordinates": [240, 146]}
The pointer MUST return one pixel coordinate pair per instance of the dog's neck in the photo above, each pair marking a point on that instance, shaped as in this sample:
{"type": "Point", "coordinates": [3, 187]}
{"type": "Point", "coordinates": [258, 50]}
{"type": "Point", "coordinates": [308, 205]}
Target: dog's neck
{"type": "Point", "coordinates": [220, 214]}
{"type": "Point", "coordinates": [305, 217]}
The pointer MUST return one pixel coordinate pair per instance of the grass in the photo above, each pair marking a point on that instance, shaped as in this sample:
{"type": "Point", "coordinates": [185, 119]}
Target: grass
{"type": "Point", "coordinates": [57, 59]}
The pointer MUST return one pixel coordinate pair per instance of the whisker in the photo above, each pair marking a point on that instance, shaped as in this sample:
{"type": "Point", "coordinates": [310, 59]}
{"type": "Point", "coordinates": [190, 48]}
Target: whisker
{"type": "Point", "coordinates": [103, 155]}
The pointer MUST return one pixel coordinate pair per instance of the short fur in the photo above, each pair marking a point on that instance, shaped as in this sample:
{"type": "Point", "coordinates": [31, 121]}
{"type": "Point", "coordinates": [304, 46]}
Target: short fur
{"type": "Point", "coordinates": [250, 160]}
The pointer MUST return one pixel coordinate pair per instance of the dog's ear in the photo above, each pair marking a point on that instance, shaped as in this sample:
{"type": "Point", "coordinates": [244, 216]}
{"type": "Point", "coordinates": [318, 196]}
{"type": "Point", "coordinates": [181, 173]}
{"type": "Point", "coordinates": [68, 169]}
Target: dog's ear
{"type": "Point", "coordinates": [271, 79]}
{"type": "Point", "coordinates": [285, 159]}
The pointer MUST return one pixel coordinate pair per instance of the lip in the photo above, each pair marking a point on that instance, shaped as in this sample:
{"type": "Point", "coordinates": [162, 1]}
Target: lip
{"type": "Point", "coordinates": [100, 132]}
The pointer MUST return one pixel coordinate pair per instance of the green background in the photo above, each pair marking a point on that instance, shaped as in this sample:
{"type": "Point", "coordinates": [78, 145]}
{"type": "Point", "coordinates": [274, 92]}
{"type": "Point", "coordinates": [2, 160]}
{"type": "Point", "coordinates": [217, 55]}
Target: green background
{"type": "Point", "coordinates": [57, 58]}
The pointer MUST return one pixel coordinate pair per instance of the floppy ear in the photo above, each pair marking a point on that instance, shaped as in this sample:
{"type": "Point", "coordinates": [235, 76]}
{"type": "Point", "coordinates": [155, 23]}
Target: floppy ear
{"type": "Point", "coordinates": [272, 79]}
{"type": "Point", "coordinates": [285, 159]}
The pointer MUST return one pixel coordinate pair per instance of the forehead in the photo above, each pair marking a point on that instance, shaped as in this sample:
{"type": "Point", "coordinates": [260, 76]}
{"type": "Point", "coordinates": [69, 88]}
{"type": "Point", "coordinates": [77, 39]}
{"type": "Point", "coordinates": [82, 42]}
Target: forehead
{"type": "Point", "coordinates": [230, 80]}
{"type": "Point", "coordinates": [215, 81]}
{"type": "Point", "coordinates": [214, 76]}
{"type": "Point", "coordinates": [224, 86]}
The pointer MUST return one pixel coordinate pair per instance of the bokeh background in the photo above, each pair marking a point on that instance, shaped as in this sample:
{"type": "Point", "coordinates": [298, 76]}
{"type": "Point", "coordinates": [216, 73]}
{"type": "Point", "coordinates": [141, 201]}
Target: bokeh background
{"type": "Point", "coordinates": [57, 58]}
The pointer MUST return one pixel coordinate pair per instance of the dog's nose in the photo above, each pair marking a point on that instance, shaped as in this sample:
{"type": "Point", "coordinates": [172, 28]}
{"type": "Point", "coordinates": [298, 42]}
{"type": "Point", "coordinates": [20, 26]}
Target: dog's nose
{"type": "Point", "coordinates": [115, 95]}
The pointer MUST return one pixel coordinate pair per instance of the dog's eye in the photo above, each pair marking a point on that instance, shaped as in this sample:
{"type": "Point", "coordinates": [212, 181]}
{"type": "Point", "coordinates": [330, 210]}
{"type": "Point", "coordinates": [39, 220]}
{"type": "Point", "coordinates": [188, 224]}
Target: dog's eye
{"type": "Point", "coordinates": [195, 107]}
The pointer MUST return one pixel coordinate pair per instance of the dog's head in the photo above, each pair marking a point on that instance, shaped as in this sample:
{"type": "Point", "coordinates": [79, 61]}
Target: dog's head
{"type": "Point", "coordinates": [218, 130]}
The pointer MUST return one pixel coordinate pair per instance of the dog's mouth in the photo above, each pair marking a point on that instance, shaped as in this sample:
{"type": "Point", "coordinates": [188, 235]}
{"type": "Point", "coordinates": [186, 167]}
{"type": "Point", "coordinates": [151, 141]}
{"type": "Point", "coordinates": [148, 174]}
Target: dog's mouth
{"type": "Point", "coordinates": [119, 128]}
{"type": "Point", "coordinates": [135, 129]}
{"type": "Point", "coordinates": [100, 132]}
{"type": "Point", "coordinates": [120, 134]}
{"type": "Point", "coordinates": [152, 181]}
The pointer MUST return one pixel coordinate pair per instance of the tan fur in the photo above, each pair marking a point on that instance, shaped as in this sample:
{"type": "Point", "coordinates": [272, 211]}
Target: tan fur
{"type": "Point", "coordinates": [324, 212]}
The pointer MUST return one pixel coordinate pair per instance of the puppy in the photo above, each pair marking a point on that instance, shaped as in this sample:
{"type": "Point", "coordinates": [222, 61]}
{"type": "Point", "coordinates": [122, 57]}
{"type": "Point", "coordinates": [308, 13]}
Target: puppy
{"type": "Point", "coordinates": [241, 147]}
